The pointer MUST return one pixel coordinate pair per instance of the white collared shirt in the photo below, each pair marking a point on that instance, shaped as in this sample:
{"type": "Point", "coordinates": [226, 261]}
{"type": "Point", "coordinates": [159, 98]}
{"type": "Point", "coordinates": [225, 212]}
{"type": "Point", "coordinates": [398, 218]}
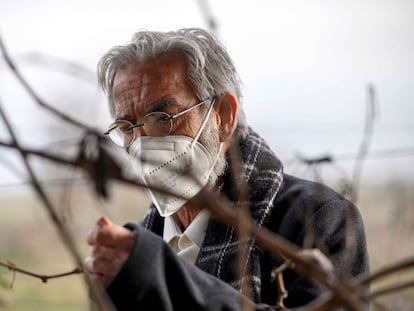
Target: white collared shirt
{"type": "Point", "coordinates": [186, 244]}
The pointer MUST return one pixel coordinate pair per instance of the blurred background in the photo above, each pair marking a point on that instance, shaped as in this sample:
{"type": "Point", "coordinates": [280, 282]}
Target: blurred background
{"type": "Point", "coordinates": [321, 80]}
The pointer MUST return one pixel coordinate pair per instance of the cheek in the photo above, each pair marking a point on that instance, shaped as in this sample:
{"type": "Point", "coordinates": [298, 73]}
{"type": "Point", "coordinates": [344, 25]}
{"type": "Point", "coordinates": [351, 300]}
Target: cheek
{"type": "Point", "coordinates": [184, 126]}
{"type": "Point", "coordinates": [187, 125]}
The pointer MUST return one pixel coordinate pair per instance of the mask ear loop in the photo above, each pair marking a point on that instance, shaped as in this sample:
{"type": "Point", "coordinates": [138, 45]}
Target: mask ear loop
{"type": "Point", "coordinates": [203, 125]}
{"type": "Point", "coordinates": [216, 158]}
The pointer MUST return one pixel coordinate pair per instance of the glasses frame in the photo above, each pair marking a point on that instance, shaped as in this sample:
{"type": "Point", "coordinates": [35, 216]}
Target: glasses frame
{"type": "Point", "coordinates": [114, 125]}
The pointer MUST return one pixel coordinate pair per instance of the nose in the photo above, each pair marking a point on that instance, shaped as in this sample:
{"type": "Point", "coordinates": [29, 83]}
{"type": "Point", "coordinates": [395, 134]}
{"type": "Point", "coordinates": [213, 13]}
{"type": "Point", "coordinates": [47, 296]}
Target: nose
{"type": "Point", "coordinates": [140, 131]}
{"type": "Point", "coordinates": [132, 136]}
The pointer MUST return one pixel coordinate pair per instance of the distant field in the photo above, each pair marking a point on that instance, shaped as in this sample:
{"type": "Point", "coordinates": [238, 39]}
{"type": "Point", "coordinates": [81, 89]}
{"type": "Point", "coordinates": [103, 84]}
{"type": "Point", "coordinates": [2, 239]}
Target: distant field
{"type": "Point", "coordinates": [28, 239]}
{"type": "Point", "coordinates": [388, 212]}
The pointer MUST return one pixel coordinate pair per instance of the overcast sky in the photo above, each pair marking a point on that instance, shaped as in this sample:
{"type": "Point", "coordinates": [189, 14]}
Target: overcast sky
{"type": "Point", "coordinates": [305, 64]}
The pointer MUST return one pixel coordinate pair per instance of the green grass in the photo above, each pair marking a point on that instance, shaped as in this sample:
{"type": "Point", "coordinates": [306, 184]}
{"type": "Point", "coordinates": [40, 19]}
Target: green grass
{"type": "Point", "coordinates": [68, 293]}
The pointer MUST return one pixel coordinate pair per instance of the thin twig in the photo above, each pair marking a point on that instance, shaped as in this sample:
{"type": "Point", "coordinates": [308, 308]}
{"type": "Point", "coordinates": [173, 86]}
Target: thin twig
{"type": "Point", "coordinates": [391, 289]}
{"type": "Point", "coordinates": [370, 116]}
{"type": "Point", "coordinates": [343, 290]}
{"type": "Point", "coordinates": [278, 275]}
{"type": "Point", "coordinates": [208, 16]}
{"type": "Point", "coordinates": [35, 96]}
{"type": "Point", "coordinates": [114, 172]}
{"type": "Point", "coordinates": [42, 277]}
{"type": "Point", "coordinates": [61, 227]}
{"type": "Point", "coordinates": [243, 223]}
{"type": "Point", "coordinates": [387, 271]}
{"type": "Point", "coordinates": [61, 65]}
{"type": "Point", "coordinates": [64, 232]}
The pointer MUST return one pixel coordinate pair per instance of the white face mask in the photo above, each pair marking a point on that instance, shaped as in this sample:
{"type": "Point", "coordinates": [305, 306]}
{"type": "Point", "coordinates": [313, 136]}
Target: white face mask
{"type": "Point", "coordinates": [177, 164]}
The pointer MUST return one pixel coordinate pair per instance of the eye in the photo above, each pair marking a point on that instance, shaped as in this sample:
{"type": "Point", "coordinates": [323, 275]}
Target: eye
{"type": "Point", "coordinates": [158, 123]}
{"type": "Point", "coordinates": [162, 117]}
{"type": "Point", "coordinates": [124, 127]}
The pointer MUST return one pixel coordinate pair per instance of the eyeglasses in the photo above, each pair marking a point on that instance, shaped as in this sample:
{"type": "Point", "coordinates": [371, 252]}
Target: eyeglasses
{"type": "Point", "coordinates": [156, 124]}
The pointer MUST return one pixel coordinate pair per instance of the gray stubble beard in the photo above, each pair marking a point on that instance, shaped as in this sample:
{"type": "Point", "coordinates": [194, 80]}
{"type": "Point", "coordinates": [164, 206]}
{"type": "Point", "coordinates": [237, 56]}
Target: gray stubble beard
{"type": "Point", "coordinates": [210, 139]}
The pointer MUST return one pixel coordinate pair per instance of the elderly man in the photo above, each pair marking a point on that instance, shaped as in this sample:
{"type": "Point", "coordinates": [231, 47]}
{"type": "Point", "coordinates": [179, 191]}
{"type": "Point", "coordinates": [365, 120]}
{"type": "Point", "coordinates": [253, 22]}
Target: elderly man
{"type": "Point", "coordinates": [176, 100]}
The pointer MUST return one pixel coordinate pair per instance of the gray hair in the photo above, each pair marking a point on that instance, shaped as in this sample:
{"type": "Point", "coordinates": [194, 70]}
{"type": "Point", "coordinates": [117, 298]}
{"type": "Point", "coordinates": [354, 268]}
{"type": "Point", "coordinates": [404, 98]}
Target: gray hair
{"type": "Point", "coordinates": [209, 67]}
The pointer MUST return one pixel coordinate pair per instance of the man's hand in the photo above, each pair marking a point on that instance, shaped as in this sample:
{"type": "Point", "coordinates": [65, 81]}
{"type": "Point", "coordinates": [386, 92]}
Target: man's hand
{"type": "Point", "coordinates": [111, 245]}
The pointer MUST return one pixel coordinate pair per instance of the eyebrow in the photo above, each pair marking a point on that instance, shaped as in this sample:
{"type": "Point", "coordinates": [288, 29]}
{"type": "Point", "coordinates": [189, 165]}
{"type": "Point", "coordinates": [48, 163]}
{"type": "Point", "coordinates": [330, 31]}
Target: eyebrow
{"type": "Point", "coordinates": [123, 117]}
{"type": "Point", "coordinates": [157, 106]}
{"type": "Point", "coordinates": [161, 105]}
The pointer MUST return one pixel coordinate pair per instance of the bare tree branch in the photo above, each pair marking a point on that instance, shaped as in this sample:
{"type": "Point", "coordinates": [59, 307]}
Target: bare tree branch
{"type": "Point", "coordinates": [34, 95]}
{"type": "Point", "coordinates": [344, 290]}
{"type": "Point", "coordinates": [64, 232]}
{"type": "Point", "coordinates": [387, 271]}
{"type": "Point", "coordinates": [113, 171]}
{"type": "Point", "coordinates": [370, 116]}
{"type": "Point", "coordinates": [61, 227]}
{"type": "Point", "coordinates": [208, 16]}
{"type": "Point", "coordinates": [94, 159]}
{"type": "Point", "coordinates": [391, 289]}
{"type": "Point", "coordinates": [42, 277]}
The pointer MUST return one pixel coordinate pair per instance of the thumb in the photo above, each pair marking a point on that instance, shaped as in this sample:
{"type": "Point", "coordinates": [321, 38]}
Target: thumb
{"type": "Point", "coordinates": [107, 233]}
{"type": "Point", "coordinates": [101, 225]}
{"type": "Point", "coordinates": [103, 221]}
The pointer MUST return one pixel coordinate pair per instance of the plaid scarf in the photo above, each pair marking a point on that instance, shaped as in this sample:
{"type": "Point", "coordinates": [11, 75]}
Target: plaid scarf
{"type": "Point", "coordinates": [263, 173]}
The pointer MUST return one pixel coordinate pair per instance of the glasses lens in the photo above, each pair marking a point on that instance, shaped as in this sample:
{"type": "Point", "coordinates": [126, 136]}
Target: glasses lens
{"type": "Point", "coordinates": [157, 124]}
{"type": "Point", "coordinates": [121, 133]}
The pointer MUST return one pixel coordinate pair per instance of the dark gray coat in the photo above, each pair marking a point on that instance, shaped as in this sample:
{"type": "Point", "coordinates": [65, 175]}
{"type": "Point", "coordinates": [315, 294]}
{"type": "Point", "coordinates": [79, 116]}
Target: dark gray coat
{"type": "Point", "coordinates": [153, 278]}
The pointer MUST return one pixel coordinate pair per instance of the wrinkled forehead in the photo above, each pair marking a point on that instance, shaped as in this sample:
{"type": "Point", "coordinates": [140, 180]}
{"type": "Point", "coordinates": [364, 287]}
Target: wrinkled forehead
{"type": "Point", "coordinates": [138, 87]}
{"type": "Point", "coordinates": [166, 63]}
{"type": "Point", "coordinates": [155, 73]}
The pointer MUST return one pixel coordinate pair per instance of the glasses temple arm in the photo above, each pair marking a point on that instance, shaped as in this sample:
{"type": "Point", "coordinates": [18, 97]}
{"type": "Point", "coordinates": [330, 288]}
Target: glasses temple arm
{"type": "Point", "coordinates": [110, 129]}
{"type": "Point", "coordinates": [193, 107]}
{"type": "Point", "coordinates": [136, 125]}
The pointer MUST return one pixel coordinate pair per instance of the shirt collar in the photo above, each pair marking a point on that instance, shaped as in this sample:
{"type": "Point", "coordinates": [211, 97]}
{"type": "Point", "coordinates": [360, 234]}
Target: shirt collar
{"type": "Point", "coordinates": [195, 231]}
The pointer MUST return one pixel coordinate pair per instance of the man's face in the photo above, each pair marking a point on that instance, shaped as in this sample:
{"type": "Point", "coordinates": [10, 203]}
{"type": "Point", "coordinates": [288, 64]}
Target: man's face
{"type": "Point", "coordinates": [162, 85]}
{"type": "Point", "coordinates": [157, 85]}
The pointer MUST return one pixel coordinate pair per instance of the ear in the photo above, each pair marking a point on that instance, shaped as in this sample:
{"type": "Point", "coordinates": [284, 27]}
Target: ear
{"type": "Point", "coordinates": [226, 112]}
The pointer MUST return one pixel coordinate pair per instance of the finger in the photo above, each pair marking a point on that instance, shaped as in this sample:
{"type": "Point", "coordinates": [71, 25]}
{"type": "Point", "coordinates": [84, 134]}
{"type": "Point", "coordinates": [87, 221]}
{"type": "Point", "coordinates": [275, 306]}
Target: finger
{"type": "Point", "coordinates": [93, 279]}
{"type": "Point", "coordinates": [88, 265]}
{"type": "Point", "coordinates": [106, 252]}
{"type": "Point", "coordinates": [104, 231]}
{"type": "Point", "coordinates": [102, 266]}
{"type": "Point", "coordinates": [91, 236]}
{"type": "Point", "coordinates": [100, 223]}
{"type": "Point", "coordinates": [113, 236]}
{"type": "Point", "coordinates": [103, 221]}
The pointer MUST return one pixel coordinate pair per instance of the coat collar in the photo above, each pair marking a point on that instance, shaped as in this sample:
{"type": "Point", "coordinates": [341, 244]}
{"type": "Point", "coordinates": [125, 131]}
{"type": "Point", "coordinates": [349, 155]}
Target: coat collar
{"type": "Point", "coordinates": [263, 173]}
